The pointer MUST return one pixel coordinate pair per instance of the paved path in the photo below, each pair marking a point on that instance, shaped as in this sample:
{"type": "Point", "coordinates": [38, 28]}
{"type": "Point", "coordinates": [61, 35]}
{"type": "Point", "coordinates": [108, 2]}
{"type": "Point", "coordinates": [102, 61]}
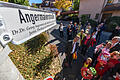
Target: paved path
{"type": "Point", "coordinates": [64, 47]}
{"type": "Point", "coordinates": [59, 42]}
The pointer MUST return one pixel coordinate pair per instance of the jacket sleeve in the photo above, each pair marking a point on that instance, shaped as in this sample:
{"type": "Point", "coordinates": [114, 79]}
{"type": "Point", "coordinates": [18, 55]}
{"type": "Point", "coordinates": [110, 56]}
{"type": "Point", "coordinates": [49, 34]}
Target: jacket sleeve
{"type": "Point", "coordinates": [115, 48]}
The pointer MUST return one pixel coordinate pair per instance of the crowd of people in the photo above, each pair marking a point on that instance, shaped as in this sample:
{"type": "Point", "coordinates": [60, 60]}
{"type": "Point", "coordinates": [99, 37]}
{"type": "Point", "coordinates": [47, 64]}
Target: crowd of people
{"type": "Point", "coordinates": [105, 63]}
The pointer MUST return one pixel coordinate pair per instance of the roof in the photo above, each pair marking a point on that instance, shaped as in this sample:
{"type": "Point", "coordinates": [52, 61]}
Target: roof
{"type": "Point", "coordinates": [70, 12]}
{"type": "Point", "coordinates": [112, 7]}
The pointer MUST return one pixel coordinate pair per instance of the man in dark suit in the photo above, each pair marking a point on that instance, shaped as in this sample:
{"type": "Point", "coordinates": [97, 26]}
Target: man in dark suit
{"type": "Point", "coordinates": [115, 44]}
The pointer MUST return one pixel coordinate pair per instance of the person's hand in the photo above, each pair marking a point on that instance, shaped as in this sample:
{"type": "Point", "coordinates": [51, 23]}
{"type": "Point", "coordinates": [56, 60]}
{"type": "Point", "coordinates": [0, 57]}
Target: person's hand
{"type": "Point", "coordinates": [117, 75]}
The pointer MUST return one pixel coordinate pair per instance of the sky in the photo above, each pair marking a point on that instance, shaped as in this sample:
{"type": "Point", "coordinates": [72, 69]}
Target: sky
{"type": "Point", "coordinates": [35, 1]}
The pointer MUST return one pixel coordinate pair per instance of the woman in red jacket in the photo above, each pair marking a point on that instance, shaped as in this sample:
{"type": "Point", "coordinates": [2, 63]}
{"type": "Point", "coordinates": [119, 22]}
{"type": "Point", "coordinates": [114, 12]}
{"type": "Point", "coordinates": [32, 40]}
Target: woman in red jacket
{"type": "Point", "coordinates": [102, 59]}
{"type": "Point", "coordinates": [87, 42]}
{"type": "Point", "coordinates": [112, 61]}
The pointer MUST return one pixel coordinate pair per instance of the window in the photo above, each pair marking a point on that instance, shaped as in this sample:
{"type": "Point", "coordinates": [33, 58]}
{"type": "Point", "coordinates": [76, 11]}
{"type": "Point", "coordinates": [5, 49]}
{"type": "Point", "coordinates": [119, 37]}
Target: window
{"type": "Point", "coordinates": [97, 16]}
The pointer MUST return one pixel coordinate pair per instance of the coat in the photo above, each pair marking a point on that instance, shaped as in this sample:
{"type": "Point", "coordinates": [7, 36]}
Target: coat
{"type": "Point", "coordinates": [93, 41]}
{"type": "Point", "coordinates": [90, 42]}
{"type": "Point", "coordinates": [115, 48]}
{"type": "Point", "coordinates": [81, 38]}
{"type": "Point", "coordinates": [99, 68]}
{"type": "Point", "coordinates": [68, 31]}
{"type": "Point", "coordinates": [109, 74]}
{"type": "Point", "coordinates": [111, 63]}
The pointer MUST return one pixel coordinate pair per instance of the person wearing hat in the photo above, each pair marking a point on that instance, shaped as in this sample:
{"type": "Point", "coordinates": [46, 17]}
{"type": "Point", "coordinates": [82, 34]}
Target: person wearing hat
{"type": "Point", "coordinates": [87, 62]}
{"type": "Point", "coordinates": [81, 35]}
{"type": "Point", "coordinates": [115, 44]}
{"type": "Point", "coordinates": [85, 44]}
{"type": "Point", "coordinates": [88, 28]}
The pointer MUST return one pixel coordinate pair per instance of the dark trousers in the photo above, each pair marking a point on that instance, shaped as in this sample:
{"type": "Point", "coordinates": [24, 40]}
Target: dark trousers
{"type": "Point", "coordinates": [70, 60]}
{"type": "Point", "coordinates": [98, 36]}
{"type": "Point", "coordinates": [61, 34]}
{"type": "Point", "coordinates": [94, 62]}
{"type": "Point", "coordinates": [83, 49]}
{"type": "Point", "coordinates": [69, 37]}
{"type": "Point", "coordinates": [95, 56]}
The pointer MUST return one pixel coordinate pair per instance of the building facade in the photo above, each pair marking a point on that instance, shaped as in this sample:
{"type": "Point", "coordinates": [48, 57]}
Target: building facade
{"type": "Point", "coordinates": [47, 5]}
{"type": "Point", "coordinates": [99, 9]}
{"type": "Point", "coordinates": [111, 9]}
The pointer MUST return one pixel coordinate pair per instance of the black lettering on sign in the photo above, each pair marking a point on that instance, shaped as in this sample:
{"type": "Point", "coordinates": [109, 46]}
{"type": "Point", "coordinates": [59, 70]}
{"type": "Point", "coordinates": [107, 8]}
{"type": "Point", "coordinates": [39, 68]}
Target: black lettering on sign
{"type": "Point", "coordinates": [21, 30]}
{"type": "Point", "coordinates": [21, 17]}
{"type": "Point", "coordinates": [26, 18]}
{"type": "Point", "coordinates": [14, 32]}
{"type": "Point", "coordinates": [32, 18]}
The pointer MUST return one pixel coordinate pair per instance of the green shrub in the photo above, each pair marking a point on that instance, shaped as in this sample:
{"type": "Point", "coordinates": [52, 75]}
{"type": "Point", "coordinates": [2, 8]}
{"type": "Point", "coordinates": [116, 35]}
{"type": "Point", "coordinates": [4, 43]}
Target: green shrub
{"type": "Point", "coordinates": [59, 18]}
{"type": "Point", "coordinates": [34, 44]}
{"type": "Point", "coordinates": [84, 19]}
{"type": "Point", "coordinates": [92, 22]}
{"type": "Point", "coordinates": [112, 22]}
{"type": "Point", "coordinates": [114, 19]}
{"type": "Point", "coordinates": [111, 26]}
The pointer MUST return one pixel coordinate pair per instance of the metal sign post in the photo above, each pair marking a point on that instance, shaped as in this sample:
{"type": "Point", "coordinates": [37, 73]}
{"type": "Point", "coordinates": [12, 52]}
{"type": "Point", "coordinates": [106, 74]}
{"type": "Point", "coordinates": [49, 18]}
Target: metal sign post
{"type": "Point", "coordinates": [8, 71]}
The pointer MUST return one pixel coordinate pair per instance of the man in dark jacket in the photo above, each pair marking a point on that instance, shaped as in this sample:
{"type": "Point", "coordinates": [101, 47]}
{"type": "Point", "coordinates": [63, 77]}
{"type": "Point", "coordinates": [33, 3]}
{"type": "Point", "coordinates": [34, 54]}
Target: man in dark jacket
{"type": "Point", "coordinates": [115, 32]}
{"type": "Point", "coordinates": [69, 32]}
{"type": "Point", "coordinates": [115, 44]}
{"type": "Point", "coordinates": [100, 29]}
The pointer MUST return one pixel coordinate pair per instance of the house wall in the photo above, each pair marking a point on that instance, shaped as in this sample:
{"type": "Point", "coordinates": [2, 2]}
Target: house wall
{"type": "Point", "coordinates": [116, 13]}
{"type": "Point", "coordinates": [115, 1]}
{"type": "Point", "coordinates": [92, 7]}
{"type": "Point", "coordinates": [107, 14]}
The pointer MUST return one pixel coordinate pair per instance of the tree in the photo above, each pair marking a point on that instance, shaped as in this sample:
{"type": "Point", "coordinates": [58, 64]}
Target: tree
{"type": "Point", "coordinates": [26, 3]}
{"type": "Point", "coordinates": [21, 2]}
{"type": "Point", "coordinates": [76, 4]}
{"type": "Point", "coordinates": [4, 0]}
{"type": "Point", "coordinates": [63, 4]}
